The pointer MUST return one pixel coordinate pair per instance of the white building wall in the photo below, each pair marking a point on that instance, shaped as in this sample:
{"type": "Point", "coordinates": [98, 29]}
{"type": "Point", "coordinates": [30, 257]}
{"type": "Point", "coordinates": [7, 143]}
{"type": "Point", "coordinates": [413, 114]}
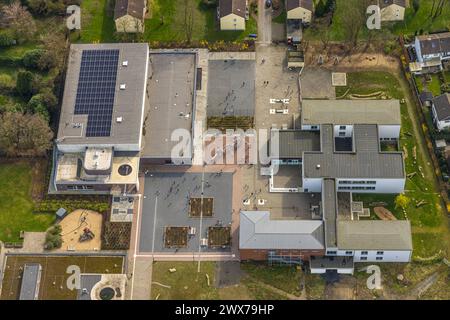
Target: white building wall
{"type": "Point", "coordinates": [389, 131]}
{"type": "Point", "coordinates": [348, 131]}
{"type": "Point", "coordinates": [339, 270]}
{"type": "Point", "coordinates": [74, 148]}
{"type": "Point", "coordinates": [439, 124]}
{"type": "Point", "coordinates": [381, 185]}
{"type": "Point", "coordinates": [312, 184]}
{"type": "Point", "coordinates": [387, 256]}
{"type": "Point", "coordinates": [418, 51]}
{"type": "Point", "coordinates": [307, 127]}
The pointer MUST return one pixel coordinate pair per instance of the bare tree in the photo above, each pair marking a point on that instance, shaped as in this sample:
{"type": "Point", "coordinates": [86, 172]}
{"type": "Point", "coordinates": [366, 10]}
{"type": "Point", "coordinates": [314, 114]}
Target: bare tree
{"type": "Point", "coordinates": [24, 134]}
{"type": "Point", "coordinates": [436, 9]}
{"type": "Point", "coordinates": [353, 21]}
{"type": "Point", "coordinates": [17, 18]}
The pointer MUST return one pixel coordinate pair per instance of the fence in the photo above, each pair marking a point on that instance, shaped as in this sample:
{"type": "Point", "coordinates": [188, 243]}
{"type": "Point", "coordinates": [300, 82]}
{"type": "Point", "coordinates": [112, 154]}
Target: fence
{"type": "Point", "coordinates": [424, 124]}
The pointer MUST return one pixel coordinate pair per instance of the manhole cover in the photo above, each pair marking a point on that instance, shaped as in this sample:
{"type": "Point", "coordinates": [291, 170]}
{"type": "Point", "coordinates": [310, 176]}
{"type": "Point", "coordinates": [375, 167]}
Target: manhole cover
{"type": "Point", "coordinates": [125, 170]}
{"type": "Point", "coordinates": [107, 293]}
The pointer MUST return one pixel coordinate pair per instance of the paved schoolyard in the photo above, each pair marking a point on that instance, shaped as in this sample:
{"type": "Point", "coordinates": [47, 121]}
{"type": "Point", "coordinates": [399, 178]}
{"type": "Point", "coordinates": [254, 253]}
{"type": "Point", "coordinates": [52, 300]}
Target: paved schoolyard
{"type": "Point", "coordinates": [316, 84]}
{"type": "Point", "coordinates": [166, 203]}
{"type": "Point", "coordinates": [231, 88]}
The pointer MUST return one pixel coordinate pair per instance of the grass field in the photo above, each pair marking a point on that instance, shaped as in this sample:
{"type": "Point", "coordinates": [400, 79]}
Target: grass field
{"type": "Point", "coordinates": [172, 14]}
{"type": "Point", "coordinates": [187, 283]}
{"type": "Point", "coordinates": [54, 275]}
{"type": "Point", "coordinates": [429, 224]}
{"type": "Point", "coordinates": [419, 21]}
{"type": "Point", "coordinates": [16, 205]}
{"type": "Point", "coordinates": [97, 21]}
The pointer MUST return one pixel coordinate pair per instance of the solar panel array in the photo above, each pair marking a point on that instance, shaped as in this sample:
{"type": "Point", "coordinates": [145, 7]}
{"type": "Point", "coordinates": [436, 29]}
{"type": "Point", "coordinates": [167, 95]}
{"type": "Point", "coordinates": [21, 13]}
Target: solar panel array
{"type": "Point", "coordinates": [96, 90]}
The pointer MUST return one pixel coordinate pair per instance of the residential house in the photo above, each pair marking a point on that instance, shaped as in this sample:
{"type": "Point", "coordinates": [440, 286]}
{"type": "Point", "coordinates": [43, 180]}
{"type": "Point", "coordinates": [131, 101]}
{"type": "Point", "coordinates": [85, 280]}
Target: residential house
{"type": "Point", "coordinates": [129, 15]}
{"type": "Point", "coordinates": [232, 14]}
{"type": "Point", "coordinates": [440, 110]}
{"type": "Point", "coordinates": [392, 10]}
{"type": "Point", "coordinates": [300, 9]}
{"type": "Point", "coordinates": [432, 51]}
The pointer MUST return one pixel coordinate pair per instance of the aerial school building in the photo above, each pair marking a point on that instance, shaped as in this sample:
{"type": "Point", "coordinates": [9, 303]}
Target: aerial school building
{"type": "Point", "coordinates": [338, 150]}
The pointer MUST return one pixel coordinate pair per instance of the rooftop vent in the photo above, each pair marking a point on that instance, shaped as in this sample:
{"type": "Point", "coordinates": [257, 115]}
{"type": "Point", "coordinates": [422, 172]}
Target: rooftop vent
{"type": "Point", "coordinates": [119, 119]}
{"type": "Point", "coordinates": [125, 63]}
{"type": "Point", "coordinates": [317, 166]}
{"type": "Point", "coordinates": [123, 86]}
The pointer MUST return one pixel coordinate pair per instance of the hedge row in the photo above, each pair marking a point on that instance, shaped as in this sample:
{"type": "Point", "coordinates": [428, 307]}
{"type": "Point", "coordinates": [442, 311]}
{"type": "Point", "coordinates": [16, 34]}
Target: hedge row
{"type": "Point", "coordinates": [51, 206]}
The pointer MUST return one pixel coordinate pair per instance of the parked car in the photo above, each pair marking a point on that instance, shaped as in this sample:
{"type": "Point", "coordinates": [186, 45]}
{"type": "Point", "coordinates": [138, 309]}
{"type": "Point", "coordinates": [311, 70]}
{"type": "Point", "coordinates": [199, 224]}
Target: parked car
{"type": "Point", "coordinates": [268, 3]}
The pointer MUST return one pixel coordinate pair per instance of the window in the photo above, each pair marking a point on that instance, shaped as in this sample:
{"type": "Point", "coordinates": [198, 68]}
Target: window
{"type": "Point", "coordinates": [331, 252]}
{"type": "Point", "coordinates": [348, 252]}
{"type": "Point", "coordinates": [342, 127]}
{"type": "Point", "coordinates": [379, 258]}
{"type": "Point", "coordinates": [314, 127]}
{"type": "Point", "coordinates": [363, 258]}
{"type": "Point", "coordinates": [341, 134]}
{"type": "Point", "coordinates": [380, 252]}
{"type": "Point", "coordinates": [364, 252]}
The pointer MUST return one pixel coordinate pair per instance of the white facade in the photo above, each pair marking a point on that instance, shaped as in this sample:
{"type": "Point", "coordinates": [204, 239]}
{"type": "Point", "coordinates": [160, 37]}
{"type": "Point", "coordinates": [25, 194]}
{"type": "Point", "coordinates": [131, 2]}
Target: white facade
{"type": "Point", "coordinates": [343, 131]}
{"type": "Point", "coordinates": [440, 124]}
{"type": "Point", "coordinates": [427, 57]}
{"type": "Point", "coordinates": [371, 185]}
{"type": "Point", "coordinates": [312, 184]}
{"type": "Point", "coordinates": [382, 256]}
{"type": "Point", "coordinates": [75, 148]}
{"type": "Point", "coordinates": [393, 12]}
{"type": "Point", "coordinates": [339, 270]}
{"type": "Point", "coordinates": [391, 132]}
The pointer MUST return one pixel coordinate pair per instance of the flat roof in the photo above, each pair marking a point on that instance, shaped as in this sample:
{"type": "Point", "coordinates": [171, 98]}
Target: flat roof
{"type": "Point", "coordinates": [366, 162]}
{"type": "Point", "coordinates": [382, 112]}
{"type": "Point", "coordinates": [258, 231]}
{"type": "Point", "coordinates": [292, 143]}
{"type": "Point", "coordinates": [170, 100]}
{"type": "Point", "coordinates": [374, 235]}
{"type": "Point", "coordinates": [29, 288]}
{"type": "Point", "coordinates": [329, 207]}
{"type": "Point", "coordinates": [127, 113]}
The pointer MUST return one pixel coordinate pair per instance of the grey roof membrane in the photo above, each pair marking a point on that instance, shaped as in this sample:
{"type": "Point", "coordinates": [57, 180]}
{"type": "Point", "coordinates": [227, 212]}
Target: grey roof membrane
{"type": "Point", "coordinates": [374, 235]}
{"type": "Point", "coordinates": [128, 103]}
{"type": "Point", "coordinates": [169, 100]}
{"type": "Point", "coordinates": [30, 281]}
{"type": "Point", "coordinates": [366, 162]}
{"type": "Point", "coordinates": [258, 231]}
{"type": "Point", "coordinates": [329, 207]}
{"type": "Point", "coordinates": [292, 143]}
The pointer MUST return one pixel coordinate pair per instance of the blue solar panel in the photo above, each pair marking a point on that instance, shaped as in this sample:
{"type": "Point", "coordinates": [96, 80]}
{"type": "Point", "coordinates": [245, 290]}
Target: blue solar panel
{"type": "Point", "coordinates": [96, 90]}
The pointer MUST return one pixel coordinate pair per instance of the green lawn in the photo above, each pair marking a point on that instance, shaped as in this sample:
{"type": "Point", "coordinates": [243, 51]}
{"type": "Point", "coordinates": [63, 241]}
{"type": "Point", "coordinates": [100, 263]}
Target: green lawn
{"type": "Point", "coordinates": [16, 206]}
{"type": "Point", "coordinates": [97, 21]}
{"type": "Point", "coordinates": [430, 233]}
{"type": "Point", "coordinates": [413, 22]}
{"type": "Point", "coordinates": [434, 86]}
{"type": "Point", "coordinates": [421, 21]}
{"type": "Point", "coordinates": [167, 23]}
{"type": "Point", "coordinates": [187, 283]}
{"type": "Point", "coordinates": [281, 277]}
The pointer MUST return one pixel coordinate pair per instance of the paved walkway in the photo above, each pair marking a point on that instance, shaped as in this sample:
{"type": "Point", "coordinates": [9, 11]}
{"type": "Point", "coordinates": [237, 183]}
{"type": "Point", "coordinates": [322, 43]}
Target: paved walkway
{"type": "Point", "coordinates": [142, 279]}
{"type": "Point", "coordinates": [264, 23]}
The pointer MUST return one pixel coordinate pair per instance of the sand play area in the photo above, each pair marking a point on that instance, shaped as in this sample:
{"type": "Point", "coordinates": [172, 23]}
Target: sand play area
{"type": "Point", "coordinates": [72, 228]}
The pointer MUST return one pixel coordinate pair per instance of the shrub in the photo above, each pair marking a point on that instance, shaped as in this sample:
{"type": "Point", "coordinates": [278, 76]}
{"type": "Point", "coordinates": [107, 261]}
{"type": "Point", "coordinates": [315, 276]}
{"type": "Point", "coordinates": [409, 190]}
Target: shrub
{"type": "Point", "coordinates": [53, 239]}
{"type": "Point", "coordinates": [6, 39]}
{"type": "Point", "coordinates": [24, 83]}
{"type": "Point", "coordinates": [32, 58]}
